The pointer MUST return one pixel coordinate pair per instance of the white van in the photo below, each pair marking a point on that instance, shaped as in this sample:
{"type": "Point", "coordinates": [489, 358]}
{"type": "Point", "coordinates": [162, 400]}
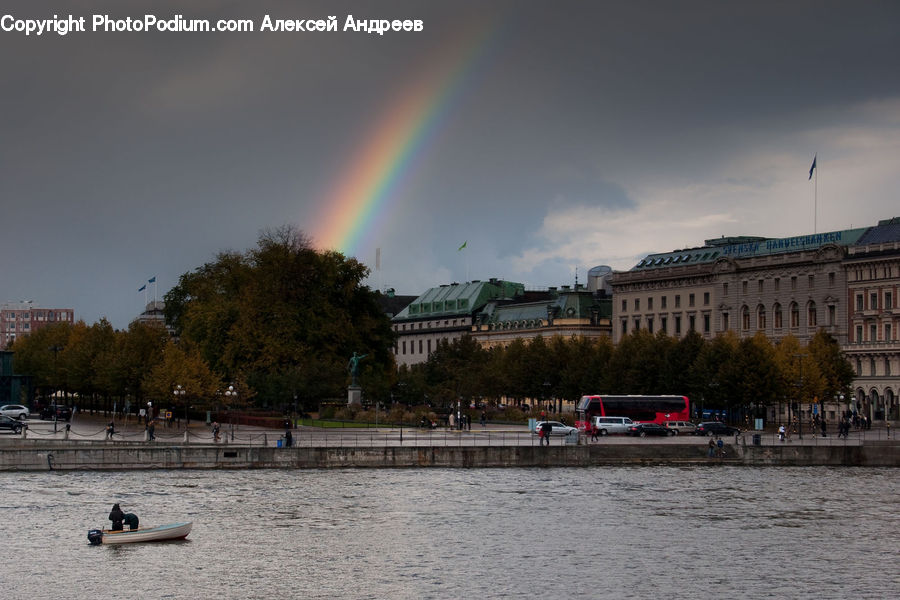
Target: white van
{"type": "Point", "coordinates": [611, 425]}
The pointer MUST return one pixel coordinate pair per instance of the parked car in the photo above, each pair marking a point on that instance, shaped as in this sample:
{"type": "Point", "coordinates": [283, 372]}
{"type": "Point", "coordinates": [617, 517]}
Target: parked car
{"type": "Point", "coordinates": [558, 428]}
{"type": "Point", "coordinates": [9, 424]}
{"type": "Point", "coordinates": [681, 427]}
{"type": "Point", "coordinates": [57, 411]}
{"type": "Point", "coordinates": [611, 425]}
{"type": "Point", "coordinates": [15, 411]}
{"type": "Point", "coordinates": [645, 429]}
{"type": "Point", "coordinates": [711, 428]}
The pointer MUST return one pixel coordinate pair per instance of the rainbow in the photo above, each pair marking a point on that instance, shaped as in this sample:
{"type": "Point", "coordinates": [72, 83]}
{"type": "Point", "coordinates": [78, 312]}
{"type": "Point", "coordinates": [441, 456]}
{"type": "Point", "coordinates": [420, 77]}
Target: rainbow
{"type": "Point", "coordinates": [358, 204]}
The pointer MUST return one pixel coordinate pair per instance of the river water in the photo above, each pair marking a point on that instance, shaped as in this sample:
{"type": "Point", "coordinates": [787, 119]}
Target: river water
{"type": "Point", "coordinates": [625, 532]}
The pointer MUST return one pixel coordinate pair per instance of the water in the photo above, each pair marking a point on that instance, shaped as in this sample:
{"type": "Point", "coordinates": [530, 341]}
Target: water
{"type": "Point", "coordinates": [644, 532]}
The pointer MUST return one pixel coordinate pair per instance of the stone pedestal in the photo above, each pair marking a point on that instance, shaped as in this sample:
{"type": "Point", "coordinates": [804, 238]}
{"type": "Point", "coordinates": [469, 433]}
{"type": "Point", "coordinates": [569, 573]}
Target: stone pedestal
{"type": "Point", "coordinates": [354, 395]}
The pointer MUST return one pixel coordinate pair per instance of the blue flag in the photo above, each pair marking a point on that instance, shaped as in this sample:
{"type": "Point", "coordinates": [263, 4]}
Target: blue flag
{"type": "Point", "coordinates": [142, 288]}
{"type": "Point", "coordinates": [813, 167]}
{"type": "Point", "coordinates": [152, 279]}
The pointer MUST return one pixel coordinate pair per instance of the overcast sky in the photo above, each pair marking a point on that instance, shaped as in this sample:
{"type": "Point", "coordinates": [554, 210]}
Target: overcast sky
{"type": "Point", "coordinates": [578, 134]}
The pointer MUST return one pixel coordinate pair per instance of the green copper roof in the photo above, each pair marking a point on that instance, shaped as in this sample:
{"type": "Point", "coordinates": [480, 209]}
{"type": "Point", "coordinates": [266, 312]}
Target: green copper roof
{"type": "Point", "coordinates": [460, 298]}
{"type": "Point", "coordinates": [567, 305]}
{"type": "Point", "coordinates": [747, 246]}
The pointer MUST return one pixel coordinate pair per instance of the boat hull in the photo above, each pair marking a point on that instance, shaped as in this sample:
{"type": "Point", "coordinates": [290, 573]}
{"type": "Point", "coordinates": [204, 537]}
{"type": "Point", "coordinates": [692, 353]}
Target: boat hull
{"type": "Point", "coordinates": [173, 531]}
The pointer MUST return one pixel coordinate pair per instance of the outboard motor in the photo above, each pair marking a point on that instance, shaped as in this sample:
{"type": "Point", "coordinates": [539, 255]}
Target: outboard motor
{"type": "Point", "coordinates": [95, 537]}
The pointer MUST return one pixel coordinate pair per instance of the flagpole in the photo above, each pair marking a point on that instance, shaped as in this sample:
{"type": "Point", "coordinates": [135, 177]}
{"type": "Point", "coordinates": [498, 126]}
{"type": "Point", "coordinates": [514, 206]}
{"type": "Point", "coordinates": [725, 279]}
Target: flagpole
{"type": "Point", "coordinates": [816, 201]}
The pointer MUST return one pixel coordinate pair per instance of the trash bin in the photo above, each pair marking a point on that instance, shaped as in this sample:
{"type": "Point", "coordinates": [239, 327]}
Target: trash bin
{"type": "Point", "coordinates": [757, 439]}
{"type": "Point", "coordinates": [572, 437]}
{"type": "Point", "coordinates": [279, 442]}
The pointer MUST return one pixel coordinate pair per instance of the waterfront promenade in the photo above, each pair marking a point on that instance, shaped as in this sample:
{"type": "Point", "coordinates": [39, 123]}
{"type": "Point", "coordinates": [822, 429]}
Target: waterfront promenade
{"type": "Point", "coordinates": [85, 447]}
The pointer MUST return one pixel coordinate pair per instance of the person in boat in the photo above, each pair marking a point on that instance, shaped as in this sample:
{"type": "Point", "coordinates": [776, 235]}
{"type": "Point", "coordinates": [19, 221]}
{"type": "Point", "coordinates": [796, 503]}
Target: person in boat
{"type": "Point", "coordinates": [116, 516]}
{"type": "Point", "coordinates": [132, 521]}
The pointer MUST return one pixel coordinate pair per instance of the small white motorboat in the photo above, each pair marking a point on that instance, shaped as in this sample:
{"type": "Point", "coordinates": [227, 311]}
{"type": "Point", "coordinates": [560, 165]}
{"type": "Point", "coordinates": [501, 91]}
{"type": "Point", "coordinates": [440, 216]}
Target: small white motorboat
{"type": "Point", "coordinates": [173, 531]}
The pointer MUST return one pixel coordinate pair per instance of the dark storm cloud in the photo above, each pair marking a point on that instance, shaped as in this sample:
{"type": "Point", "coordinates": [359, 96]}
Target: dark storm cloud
{"type": "Point", "coordinates": [129, 155]}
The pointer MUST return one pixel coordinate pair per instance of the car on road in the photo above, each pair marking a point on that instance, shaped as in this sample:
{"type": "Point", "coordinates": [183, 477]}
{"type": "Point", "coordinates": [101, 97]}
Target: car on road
{"type": "Point", "coordinates": [712, 428]}
{"type": "Point", "coordinates": [645, 429]}
{"type": "Point", "coordinates": [8, 424]}
{"type": "Point", "coordinates": [681, 427]}
{"type": "Point", "coordinates": [57, 411]}
{"type": "Point", "coordinates": [611, 425]}
{"type": "Point", "coordinates": [558, 428]}
{"type": "Point", "coordinates": [15, 411]}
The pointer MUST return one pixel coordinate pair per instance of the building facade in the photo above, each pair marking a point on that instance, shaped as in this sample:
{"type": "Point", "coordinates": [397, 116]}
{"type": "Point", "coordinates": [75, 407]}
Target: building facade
{"type": "Point", "coordinates": [844, 282]}
{"type": "Point", "coordinates": [873, 345]}
{"type": "Point", "coordinates": [22, 318]}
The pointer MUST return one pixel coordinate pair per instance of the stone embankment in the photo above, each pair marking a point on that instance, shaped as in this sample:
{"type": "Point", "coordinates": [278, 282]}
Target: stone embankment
{"type": "Point", "coordinates": [28, 455]}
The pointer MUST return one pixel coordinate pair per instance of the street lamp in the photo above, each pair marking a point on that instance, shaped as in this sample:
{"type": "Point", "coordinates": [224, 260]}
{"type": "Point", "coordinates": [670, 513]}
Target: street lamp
{"type": "Point", "coordinates": [179, 395]}
{"type": "Point", "coordinates": [229, 394]}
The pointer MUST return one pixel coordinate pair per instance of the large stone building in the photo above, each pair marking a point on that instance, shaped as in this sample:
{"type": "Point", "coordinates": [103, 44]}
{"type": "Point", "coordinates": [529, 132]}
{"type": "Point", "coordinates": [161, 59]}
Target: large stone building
{"type": "Point", "coordinates": [446, 313]}
{"type": "Point", "coordinates": [779, 286]}
{"type": "Point", "coordinates": [22, 318]}
{"type": "Point", "coordinates": [873, 344]}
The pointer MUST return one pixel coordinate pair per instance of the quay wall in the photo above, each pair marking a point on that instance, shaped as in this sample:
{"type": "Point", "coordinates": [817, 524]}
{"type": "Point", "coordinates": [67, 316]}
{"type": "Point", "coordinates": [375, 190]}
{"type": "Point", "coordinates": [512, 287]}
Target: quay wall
{"type": "Point", "coordinates": [98, 456]}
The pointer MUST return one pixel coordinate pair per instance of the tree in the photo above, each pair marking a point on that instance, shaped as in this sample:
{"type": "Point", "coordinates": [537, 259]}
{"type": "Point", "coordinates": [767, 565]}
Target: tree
{"type": "Point", "coordinates": [837, 373]}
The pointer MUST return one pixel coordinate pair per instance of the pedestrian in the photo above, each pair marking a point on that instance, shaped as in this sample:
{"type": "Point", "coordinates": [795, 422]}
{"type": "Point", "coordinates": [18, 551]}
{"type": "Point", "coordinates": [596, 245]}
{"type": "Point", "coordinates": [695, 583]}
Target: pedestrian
{"type": "Point", "coordinates": [215, 430]}
{"type": "Point", "coordinates": [483, 419]}
{"type": "Point", "coordinates": [721, 446]}
{"type": "Point", "coordinates": [781, 433]}
{"type": "Point", "coordinates": [288, 439]}
{"type": "Point", "coordinates": [712, 448]}
{"type": "Point", "coordinates": [151, 428]}
{"type": "Point", "coordinates": [546, 429]}
{"type": "Point", "coordinates": [595, 432]}
{"type": "Point", "coordinates": [110, 430]}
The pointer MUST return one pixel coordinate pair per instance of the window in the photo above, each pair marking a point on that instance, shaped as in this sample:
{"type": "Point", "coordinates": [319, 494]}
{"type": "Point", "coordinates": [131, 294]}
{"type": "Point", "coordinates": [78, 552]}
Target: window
{"type": "Point", "coordinates": [649, 303]}
{"type": "Point", "coordinates": [887, 332]}
{"type": "Point", "coordinates": [744, 287]}
{"type": "Point", "coordinates": [794, 283]}
{"type": "Point", "coordinates": [690, 300]}
{"type": "Point", "coordinates": [429, 347]}
{"type": "Point", "coordinates": [760, 286]}
{"type": "Point", "coordinates": [888, 300]}
{"type": "Point", "coordinates": [831, 315]}
{"type": "Point", "coordinates": [873, 301]}
{"type": "Point", "coordinates": [677, 324]}
{"type": "Point", "coordinates": [858, 366]}
{"type": "Point", "coordinates": [624, 326]}
{"type": "Point", "coordinates": [650, 324]}
{"type": "Point", "coordinates": [777, 283]}
{"type": "Point", "coordinates": [761, 317]}
{"type": "Point", "coordinates": [420, 346]}
{"type": "Point", "coordinates": [724, 289]}
{"type": "Point", "coordinates": [637, 304]}
{"type": "Point", "coordinates": [831, 280]}
{"type": "Point", "coordinates": [705, 298]}
{"type": "Point", "coordinates": [677, 301]}
{"type": "Point", "coordinates": [745, 318]}
{"type": "Point", "coordinates": [692, 323]}
{"type": "Point", "coordinates": [887, 366]}
{"type": "Point", "coordinates": [859, 337]}
{"type": "Point", "coordinates": [725, 321]}
{"type": "Point", "coordinates": [663, 325]}
{"type": "Point", "coordinates": [404, 347]}
{"type": "Point", "coordinates": [624, 306]}
{"type": "Point", "coordinates": [705, 323]}
{"type": "Point", "coordinates": [776, 311]}
{"type": "Point", "coordinates": [873, 333]}
{"type": "Point", "coordinates": [811, 319]}
{"type": "Point", "coordinates": [795, 315]}
{"type": "Point", "coordinates": [872, 367]}
{"type": "Point", "coordinates": [812, 281]}
{"type": "Point", "coordinates": [663, 301]}
{"type": "Point", "coordinates": [637, 324]}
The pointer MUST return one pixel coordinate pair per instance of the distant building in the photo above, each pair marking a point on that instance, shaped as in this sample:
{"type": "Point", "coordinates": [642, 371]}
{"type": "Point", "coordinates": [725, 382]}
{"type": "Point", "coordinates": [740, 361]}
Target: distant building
{"type": "Point", "coordinates": [14, 389]}
{"type": "Point", "coordinates": [446, 313]}
{"type": "Point", "coordinates": [21, 318]}
{"type": "Point", "coordinates": [843, 282]}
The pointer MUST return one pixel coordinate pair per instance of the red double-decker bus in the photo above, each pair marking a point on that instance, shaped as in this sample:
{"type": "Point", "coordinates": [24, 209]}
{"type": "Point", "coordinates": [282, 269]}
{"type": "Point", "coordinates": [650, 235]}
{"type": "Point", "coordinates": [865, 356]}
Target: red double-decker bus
{"type": "Point", "coordinates": [644, 409]}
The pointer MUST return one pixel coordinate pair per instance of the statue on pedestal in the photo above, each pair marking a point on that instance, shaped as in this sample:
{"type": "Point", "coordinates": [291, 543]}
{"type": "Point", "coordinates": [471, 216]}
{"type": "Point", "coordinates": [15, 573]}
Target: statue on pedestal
{"type": "Point", "coordinates": [353, 367]}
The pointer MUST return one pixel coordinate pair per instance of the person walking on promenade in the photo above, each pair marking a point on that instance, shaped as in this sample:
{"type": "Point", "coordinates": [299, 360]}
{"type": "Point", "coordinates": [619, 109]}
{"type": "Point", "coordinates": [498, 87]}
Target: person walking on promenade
{"type": "Point", "coordinates": [215, 430]}
{"type": "Point", "coordinates": [546, 428]}
{"type": "Point", "coordinates": [781, 433]}
{"type": "Point", "coordinates": [110, 430]}
{"type": "Point", "coordinates": [721, 446]}
{"type": "Point", "coordinates": [151, 429]}
{"type": "Point", "coordinates": [712, 448]}
{"type": "Point", "coordinates": [483, 419]}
